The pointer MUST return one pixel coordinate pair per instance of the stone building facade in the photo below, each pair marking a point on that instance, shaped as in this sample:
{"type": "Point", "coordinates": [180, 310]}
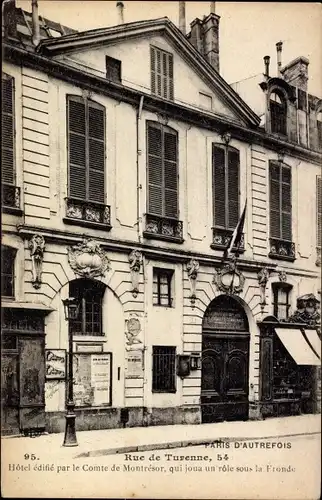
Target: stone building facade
{"type": "Point", "coordinates": [127, 161]}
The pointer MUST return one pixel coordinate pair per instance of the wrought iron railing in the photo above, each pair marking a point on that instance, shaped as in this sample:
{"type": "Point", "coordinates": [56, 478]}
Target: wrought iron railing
{"type": "Point", "coordinates": [221, 239]}
{"type": "Point", "coordinates": [163, 228]}
{"type": "Point", "coordinates": [88, 212]}
{"type": "Point", "coordinates": [10, 196]}
{"type": "Point", "coordinates": [281, 249]}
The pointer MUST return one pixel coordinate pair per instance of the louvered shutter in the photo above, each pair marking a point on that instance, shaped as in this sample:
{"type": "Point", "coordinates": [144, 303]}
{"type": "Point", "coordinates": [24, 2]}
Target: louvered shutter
{"type": "Point", "coordinates": [170, 76]}
{"type": "Point", "coordinates": [77, 148]}
{"type": "Point", "coordinates": [158, 73]}
{"type": "Point", "coordinates": [286, 204]}
{"type": "Point", "coordinates": [170, 174]}
{"type": "Point", "coordinates": [7, 136]}
{"type": "Point", "coordinates": [155, 170]}
{"type": "Point", "coordinates": [233, 188]}
{"type": "Point", "coordinates": [319, 210]}
{"type": "Point", "coordinates": [96, 153]}
{"type": "Point", "coordinates": [275, 205]}
{"type": "Point", "coordinates": [153, 69]}
{"type": "Point", "coordinates": [219, 186]}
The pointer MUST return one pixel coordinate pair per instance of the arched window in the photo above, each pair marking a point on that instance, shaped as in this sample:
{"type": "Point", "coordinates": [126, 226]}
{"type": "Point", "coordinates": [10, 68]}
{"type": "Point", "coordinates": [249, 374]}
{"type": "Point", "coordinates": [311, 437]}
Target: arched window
{"type": "Point", "coordinates": [319, 128]}
{"type": "Point", "coordinates": [278, 112]}
{"type": "Point", "coordinates": [90, 294]}
{"type": "Point", "coordinates": [8, 255]}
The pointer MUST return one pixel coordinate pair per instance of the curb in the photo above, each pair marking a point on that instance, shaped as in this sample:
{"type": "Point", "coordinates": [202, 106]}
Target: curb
{"type": "Point", "coordinates": [180, 444]}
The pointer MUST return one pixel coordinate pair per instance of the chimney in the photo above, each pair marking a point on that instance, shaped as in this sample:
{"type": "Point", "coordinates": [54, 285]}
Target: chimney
{"type": "Point", "coordinates": [182, 17]}
{"type": "Point", "coordinates": [212, 7]}
{"type": "Point", "coordinates": [196, 35]}
{"type": "Point", "coordinates": [279, 46]}
{"type": "Point", "coordinates": [266, 63]}
{"type": "Point", "coordinates": [211, 39]}
{"type": "Point", "coordinates": [9, 23]}
{"type": "Point", "coordinates": [120, 12]}
{"type": "Point", "coordinates": [35, 22]}
{"type": "Point", "coordinates": [296, 73]}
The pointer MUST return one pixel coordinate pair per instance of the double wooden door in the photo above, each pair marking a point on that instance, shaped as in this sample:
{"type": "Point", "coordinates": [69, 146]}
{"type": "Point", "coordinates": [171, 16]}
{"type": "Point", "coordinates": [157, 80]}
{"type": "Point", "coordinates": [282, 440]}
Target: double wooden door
{"type": "Point", "coordinates": [224, 387]}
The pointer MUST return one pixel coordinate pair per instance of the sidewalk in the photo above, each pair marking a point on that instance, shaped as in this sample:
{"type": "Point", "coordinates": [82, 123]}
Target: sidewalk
{"type": "Point", "coordinates": [112, 441]}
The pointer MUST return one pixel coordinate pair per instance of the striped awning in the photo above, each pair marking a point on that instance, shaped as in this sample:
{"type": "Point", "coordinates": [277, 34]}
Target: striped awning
{"type": "Point", "coordinates": [298, 347]}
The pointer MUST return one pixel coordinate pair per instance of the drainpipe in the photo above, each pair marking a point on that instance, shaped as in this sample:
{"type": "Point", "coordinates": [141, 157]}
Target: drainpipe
{"type": "Point", "coordinates": [138, 154]}
{"type": "Point", "coordinates": [35, 22]}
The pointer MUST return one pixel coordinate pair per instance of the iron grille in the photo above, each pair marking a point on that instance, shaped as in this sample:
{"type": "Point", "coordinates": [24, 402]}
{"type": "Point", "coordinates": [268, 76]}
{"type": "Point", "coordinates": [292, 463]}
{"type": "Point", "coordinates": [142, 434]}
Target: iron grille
{"type": "Point", "coordinates": [164, 369]}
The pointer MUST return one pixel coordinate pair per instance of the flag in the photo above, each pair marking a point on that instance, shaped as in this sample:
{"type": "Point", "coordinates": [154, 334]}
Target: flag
{"type": "Point", "coordinates": [236, 237]}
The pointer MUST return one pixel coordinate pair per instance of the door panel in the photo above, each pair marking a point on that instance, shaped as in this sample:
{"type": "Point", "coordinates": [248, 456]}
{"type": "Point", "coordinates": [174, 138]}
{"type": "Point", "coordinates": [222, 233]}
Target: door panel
{"type": "Point", "coordinates": [224, 386]}
{"type": "Point", "coordinates": [9, 393]}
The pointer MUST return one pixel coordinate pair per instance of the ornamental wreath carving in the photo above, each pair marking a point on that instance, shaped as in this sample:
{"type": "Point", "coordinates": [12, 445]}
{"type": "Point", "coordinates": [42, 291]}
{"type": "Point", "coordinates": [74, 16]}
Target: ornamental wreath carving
{"type": "Point", "coordinates": [37, 248]}
{"type": "Point", "coordinates": [88, 259]}
{"type": "Point", "coordinates": [132, 334]}
{"type": "Point", "coordinates": [229, 279]}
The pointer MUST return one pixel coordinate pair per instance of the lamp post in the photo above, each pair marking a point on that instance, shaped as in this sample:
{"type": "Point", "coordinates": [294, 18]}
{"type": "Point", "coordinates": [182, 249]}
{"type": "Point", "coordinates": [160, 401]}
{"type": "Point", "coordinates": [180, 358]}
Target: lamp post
{"type": "Point", "coordinates": [71, 308]}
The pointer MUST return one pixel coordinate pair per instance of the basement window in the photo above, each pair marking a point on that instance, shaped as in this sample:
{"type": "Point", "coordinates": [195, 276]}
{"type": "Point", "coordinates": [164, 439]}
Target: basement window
{"type": "Point", "coordinates": [113, 69]}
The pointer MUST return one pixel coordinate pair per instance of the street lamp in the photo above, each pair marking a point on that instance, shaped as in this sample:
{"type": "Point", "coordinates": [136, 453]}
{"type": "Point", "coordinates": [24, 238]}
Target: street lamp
{"type": "Point", "coordinates": [71, 308]}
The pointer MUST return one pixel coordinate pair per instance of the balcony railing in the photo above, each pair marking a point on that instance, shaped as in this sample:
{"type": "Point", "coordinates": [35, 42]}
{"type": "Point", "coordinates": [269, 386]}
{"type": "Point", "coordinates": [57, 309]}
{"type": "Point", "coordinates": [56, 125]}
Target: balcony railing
{"type": "Point", "coordinates": [88, 213]}
{"type": "Point", "coordinates": [10, 198]}
{"type": "Point", "coordinates": [221, 238]}
{"type": "Point", "coordinates": [163, 228]}
{"type": "Point", "coordinates": [281, 249]}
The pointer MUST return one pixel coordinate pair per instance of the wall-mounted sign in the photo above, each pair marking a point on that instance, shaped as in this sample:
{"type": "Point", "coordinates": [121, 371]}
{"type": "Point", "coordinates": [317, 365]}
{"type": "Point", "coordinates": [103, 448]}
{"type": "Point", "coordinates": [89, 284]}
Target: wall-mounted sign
{"type": "Point", "coordinates": [134, 364]}
{"type": "Point", "coordinates": [92, 379]}
{"type": "Point", "coordinates": [56, 364]}
{"type": "Point", "coordinates": [89, 347]}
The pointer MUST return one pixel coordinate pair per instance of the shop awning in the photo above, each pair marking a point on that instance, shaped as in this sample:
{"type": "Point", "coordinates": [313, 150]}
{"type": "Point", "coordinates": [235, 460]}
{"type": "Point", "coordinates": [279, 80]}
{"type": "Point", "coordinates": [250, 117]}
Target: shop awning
{"type": "Point", "coordinates": [314, 340]}
{"type": "Point", "coordinates": [294, 341]}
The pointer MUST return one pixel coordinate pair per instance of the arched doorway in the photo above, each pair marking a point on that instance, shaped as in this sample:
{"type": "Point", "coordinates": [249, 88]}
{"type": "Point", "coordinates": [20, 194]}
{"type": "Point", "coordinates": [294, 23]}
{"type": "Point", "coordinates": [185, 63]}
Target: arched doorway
{"type": "Point", "coordinates": [225, 361]}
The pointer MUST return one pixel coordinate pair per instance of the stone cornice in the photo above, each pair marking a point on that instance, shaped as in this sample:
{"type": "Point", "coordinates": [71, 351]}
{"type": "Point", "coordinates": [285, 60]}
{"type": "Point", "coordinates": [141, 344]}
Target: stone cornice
{"type": "Point", "coordinates": [151, 251]}
{"type": "Point", "coordinates": [176, 111]}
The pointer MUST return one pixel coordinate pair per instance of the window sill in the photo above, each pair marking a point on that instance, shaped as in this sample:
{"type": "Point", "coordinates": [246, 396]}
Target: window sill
{"type": "Point", "coordinates": [86, 223]}
{"type": "Point", "coordinates": [154, 236]}
{"type": "Point", "coordinates": [282, 250]}
{"type": "Point", "coordinates": [215, 246]}
{"type": "Point", "coordinates": [12, 210]}
{"type": "Point", "coordinates": [155, 391]}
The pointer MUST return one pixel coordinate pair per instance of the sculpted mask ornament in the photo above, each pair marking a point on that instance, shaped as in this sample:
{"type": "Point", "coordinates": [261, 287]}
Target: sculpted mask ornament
{"type": "Point", "coordinates": [135, 261]}
{"type": "Point", "coordinates": [192, 268]}
{"type": "Point", "coordinates": [88, 259]}
{"type": "Point", "coordinates": [133, 330]}
{"type": "Point", "coordinates": [282, 276]}
{"type": "Point", "coordinates": [229, 279]}
{"type": "Point", "coordinates": [37, 248]}
{"type": "Point", "coordinates": [262, 277]}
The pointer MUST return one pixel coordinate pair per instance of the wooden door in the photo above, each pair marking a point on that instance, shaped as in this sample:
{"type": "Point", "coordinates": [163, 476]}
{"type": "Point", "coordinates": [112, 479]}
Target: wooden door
{"type": "Point", "coordinates": [224, 385]}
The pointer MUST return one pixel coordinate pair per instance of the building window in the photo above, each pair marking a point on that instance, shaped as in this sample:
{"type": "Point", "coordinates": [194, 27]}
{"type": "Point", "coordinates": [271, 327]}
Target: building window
{"type": "Point", "coordinates": [162, 287]}
{"type": "Point", "coordinates": [8, 255]}
{"type": "Point", "coordinates": [164, 369]}
{"type": "Point", "coordinates": [280, 184]}
{"type": "Point", "coordinates": [90, 294]}
{"type": "Point", "coordinates": [319, 128]}
{"type": "Point", "coordinates": [278, 112]}
{"type": "Point", "coordinates": [8, 131]}
{"type": "Point", "coordinates": [86, 149]}
{"type": "Point", "coordinates": [205, 100]}
{"type": "Point", "coordinates": [161, 73]}
{"type": "Point", "coordinates": [162, 170]}
{"type": "Point", "coordinates": [281, 297]}
{"type": "Point", "coordinates": [113, 69]}
{"type": "Point", "coordinates": [225, 186]}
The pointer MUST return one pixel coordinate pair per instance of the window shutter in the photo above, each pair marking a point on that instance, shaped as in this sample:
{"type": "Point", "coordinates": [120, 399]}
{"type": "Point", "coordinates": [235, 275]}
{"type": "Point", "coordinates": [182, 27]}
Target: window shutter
{"type": "Point", "coordinates": [96, 153]}
{"type": "Point", "coordinates": [275, 206]}
{"type": "Point", "coordinates": [155, 174]}
{"type": "Point", "coordinates": [286, 199]}
{"type": "Point", "coordinates": [219, 189]}
{"type": "Point", "coordinates": [77, 148]}
{"type": "Point", "coordinates": [319, 210]}
{"type": "Point", "coordinates": [158, 73]}
{"type": "Point", "coordinates": [153, 69]}
{"type": "Point", "coordinates": [170, 175]}
{"type": "Point", "coordinates": [233, 188]}
{"type": "Point", "coordinates": [7, 136]}
{"type": "Point", "coordinates": [170, 76]}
